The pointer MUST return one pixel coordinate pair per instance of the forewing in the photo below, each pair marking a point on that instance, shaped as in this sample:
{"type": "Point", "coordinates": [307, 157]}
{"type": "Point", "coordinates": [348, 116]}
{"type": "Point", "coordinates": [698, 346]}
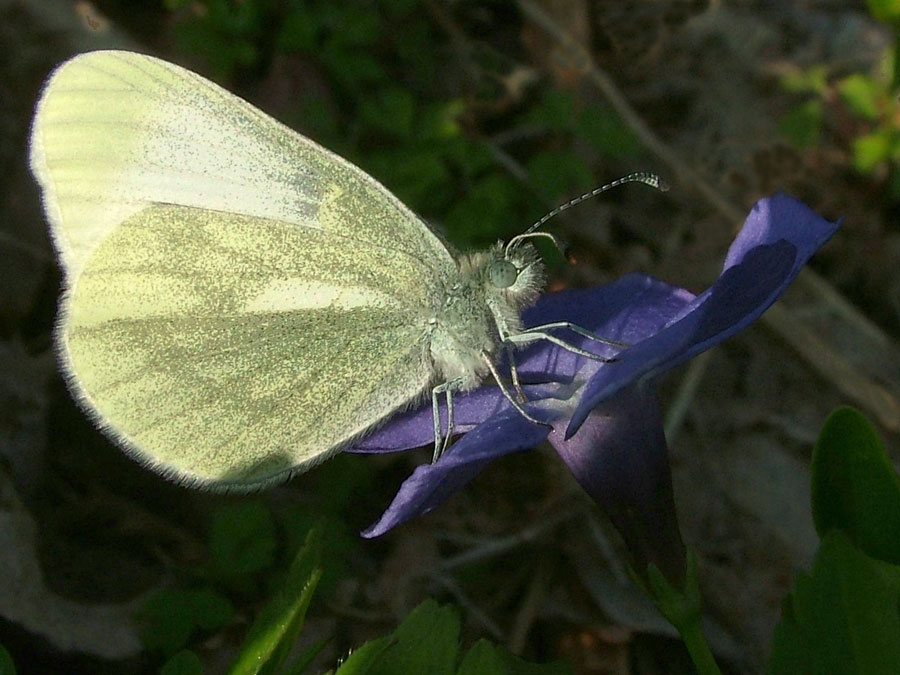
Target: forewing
{"type": "Point", "coordinates": [117, 131]}
{"type": "Point", "coordinates": [231, 350]}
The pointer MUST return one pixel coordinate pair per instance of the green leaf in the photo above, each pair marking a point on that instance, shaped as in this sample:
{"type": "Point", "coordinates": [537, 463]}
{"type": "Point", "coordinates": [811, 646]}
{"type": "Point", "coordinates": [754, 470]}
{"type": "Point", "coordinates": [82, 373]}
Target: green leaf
{"type": "Point", "coordinates": [607, 133]}
{"type": "Point", "coordinates": [482, 659]}
{"type": "Point", "coordinates": [7, 667]}
{"type": "Point", "coordinates": [184, 662]}
{"type": "Point", "coordinates": [300, 665]}
{"type": "Point", "coordinates": [812, 80]}
{"type": "Point", "coordinates": [862, 95]}
{"type": "Point", "coordinates": [272, 635]}
{"type": "Point", "coordinates": [802, 126]}
{"type": "Point", "coordinates": [426, 642]}
{"type": "Point", "coordinates": [555, 111]}
{"type": "Point", "coordinates": [391, 111]}
{"type": "Point", "coordinates": [842, 617]}
{"type": "Point", "coordinates": [352, 67]}
{"type": "Point", "coordinates": [242, 542]}
{"type": "Point", "coordinates": [559, 175]}
{"type": "Point", "coordinates": [417, 177]}
{"type": "Point", "coordinates": [440, 120]}
{"type": "Point", "coordinates": [169, 617]}
{"type": "Point", "coordinates": [872, 149]}
{"type": "Point", "coordinates": [485, 658]}
{"type": "Point", "coordinates": [887, 11]}
{"type": "Point", "coordinates": [855, 488]}
{"type": "Point", "coordinates": [485, 212]}
{"type": "Point", "coordinates": [300, 31]}
{"type": "Point", "coordinates": [361, 659]}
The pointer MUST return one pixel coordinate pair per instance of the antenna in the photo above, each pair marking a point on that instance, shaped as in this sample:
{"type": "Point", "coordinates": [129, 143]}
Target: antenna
{"type": "Point", "coordinates": [651, 179]}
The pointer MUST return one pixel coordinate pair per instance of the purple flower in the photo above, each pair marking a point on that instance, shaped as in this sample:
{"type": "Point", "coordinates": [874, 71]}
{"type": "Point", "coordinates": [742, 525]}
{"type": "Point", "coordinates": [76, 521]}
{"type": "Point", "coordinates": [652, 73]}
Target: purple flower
{"type": "Point", "coordinates": [605, 421]}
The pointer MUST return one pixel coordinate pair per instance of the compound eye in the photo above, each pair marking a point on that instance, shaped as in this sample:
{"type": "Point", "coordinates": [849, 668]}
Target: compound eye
{"type": "Point", "coordinates": [503, 274]}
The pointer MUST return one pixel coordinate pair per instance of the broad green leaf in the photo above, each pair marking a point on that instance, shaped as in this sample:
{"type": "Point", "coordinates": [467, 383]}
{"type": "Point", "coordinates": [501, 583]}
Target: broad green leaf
{"type": "Point", "coordinates": [272, 635]}
{"type": "Point", "coordinates": [184, 662]}
{"type": "Point", "coordinates": [855, 488]}
{"type": "Point", "coordinates": [361, 659]}
{"type": "Point", "coordinates": [841, 617]}
{"type": "Point", "coordinates": [426, 642]}
{"type": "Point", "coordinates": [484, 658]}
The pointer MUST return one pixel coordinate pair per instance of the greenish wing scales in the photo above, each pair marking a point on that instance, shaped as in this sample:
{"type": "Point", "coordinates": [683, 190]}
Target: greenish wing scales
{"type": "Point", "coordinates": [116, 131]}
{"type": "Point", "coordinates": [232, 365]}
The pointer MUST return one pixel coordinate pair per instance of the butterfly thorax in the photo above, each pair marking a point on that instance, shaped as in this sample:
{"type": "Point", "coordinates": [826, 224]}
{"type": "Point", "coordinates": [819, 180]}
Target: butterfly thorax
{"type": "Point", "coordinates": [480, 308]}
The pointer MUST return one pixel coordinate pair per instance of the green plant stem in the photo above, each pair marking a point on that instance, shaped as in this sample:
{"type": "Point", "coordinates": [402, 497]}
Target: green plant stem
{"type": "Point", "coordinates": [694, 639]}
{"type": "Point", "coordinates": [681, 607]}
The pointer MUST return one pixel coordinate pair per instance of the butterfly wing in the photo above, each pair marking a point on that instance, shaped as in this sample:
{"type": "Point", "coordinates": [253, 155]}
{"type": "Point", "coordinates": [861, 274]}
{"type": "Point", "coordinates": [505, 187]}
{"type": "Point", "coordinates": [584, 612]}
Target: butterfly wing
{"type": "Point", "coordinates": [240, 302]}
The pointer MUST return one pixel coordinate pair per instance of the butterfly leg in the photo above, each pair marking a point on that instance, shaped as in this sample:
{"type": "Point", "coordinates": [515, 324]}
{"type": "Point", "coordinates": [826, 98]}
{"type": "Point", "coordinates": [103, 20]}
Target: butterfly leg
{"type": "Point", "coordinates": [578, 329]}
{"type": "Point", "coordinates": [442, 441]}
{"type": "Point", "coordinates": [503, 388]}
{"type": "Point", "coordinates": [532, 335]}
{"type": "Point", "coordinates": [513, 371]}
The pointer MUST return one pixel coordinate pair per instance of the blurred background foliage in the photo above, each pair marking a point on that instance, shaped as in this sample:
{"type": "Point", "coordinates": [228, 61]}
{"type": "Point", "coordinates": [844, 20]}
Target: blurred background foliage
{"type": "Point", "coordinates": [482, 121]}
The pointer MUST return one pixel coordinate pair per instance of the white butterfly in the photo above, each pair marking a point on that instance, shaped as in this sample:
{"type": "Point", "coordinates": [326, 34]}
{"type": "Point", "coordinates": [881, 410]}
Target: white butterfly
{"type": "Point", "coordinates": [241, 303]}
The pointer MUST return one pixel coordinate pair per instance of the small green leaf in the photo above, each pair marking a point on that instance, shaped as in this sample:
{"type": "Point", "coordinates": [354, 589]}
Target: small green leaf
{"type": "Point", "coordinates": [211, 610]}
{"type": "Point", "coordinates": [272, 635]}
{"type": "Point", "coordinates": [361, 659]}
{"type": "Point", "coordinates": [855, 488]}
{"type": "Point", "coordinates": [840, 618]}
{"type": "Point", "coordinates": [440, 120]}
{"type": "Point", "coordinates": [555, 111]}
{"type": "Point", "coordinates": [559, 175]}
{"type": "Point", "coordinates": [887, 11]}
{"type": "Point", "coordinates": [862, 95]}
{"type": "Point", "coordinates": [426, 642]}
{"type": "Point", "coordinates": [607, 133]}
{"type": "Point", "coordinates": [169, 617]}
{"type": "Point", "coordinates": [352, 67]}
{"type": "Point", "coordinates": [802, 126]}
{"type": "Point", "coordinates": [300, 31]}
{"type": "Point", "coordinates": [811, 80]}
{"type": "Point", "coordinates": [242, 541]}
{"type": "Point", "coordinates": [485, 212]}
{"type": "Point", "coordinates": [356, 27]}
{"type": "Point", "coordinates": [7, 667]}
{"type": "Point", "coordinates": [184, 662]}
{"type": "Point", "coordinates": [872, 149]}
{"type": "Point", "coordinates": [391, 111]}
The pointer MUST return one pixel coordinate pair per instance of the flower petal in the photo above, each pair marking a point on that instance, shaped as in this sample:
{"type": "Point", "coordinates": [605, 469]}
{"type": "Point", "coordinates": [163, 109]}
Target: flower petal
{"type": "Point", "coordinates": [782, 234]}
{"type": "Point", "coordinates": [628, 309]}
{"type": "Point", "coordinates": [430, 484]}
{"type": "Point", "coordinates": [620, 458]}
